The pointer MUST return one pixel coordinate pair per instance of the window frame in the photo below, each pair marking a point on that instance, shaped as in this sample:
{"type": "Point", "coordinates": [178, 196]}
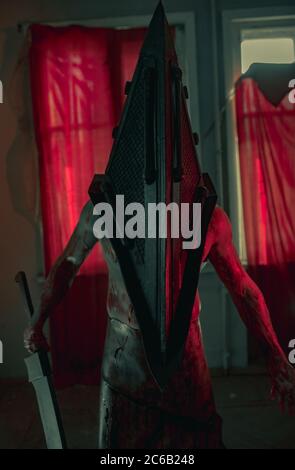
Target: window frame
{"type": "Point", "coordinates": [237, 26]}
{"type": "Point", "coordinates": [186, 23]}
{"type": "Point", "coordinates": [186, 40]}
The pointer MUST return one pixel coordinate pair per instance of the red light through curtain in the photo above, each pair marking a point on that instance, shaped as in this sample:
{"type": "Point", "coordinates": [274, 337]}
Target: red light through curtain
{"type": "Point", "coordinates": [267, 162]}
{"type": "Point", "coordinates": [78, 77]}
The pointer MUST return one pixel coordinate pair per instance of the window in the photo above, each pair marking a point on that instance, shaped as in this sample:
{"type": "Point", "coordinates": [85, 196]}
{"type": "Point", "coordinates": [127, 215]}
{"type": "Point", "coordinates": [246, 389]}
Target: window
{"type": "Point", "coordinates": [185, 47]}
{"type": "Point", "coordinates": [250, 36]}
{"type": "Point", "coordinates": [266, 50]}
{"type": "Point", "coordinates": [185, 44]}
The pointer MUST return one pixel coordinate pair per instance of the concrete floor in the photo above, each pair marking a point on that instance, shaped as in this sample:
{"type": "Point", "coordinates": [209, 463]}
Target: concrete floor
{"type": "Point", "coordinates": [250, 420]}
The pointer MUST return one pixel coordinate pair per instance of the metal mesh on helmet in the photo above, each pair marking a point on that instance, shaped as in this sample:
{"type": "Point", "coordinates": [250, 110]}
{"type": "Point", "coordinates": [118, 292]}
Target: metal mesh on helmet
{"type": "Point", "coordinates": [126, 171]}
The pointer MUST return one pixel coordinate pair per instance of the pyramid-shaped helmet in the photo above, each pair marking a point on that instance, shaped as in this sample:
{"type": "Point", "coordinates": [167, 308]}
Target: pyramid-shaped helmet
{"type": "Point", "coordinates": [154, 160]}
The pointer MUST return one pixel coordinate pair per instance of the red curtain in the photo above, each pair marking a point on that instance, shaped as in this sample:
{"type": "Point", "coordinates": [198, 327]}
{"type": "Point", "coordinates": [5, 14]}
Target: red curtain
{"type": "Point", "coordinates": [78, 77]}
{"type": "Point", "coordinates": [266, 135]}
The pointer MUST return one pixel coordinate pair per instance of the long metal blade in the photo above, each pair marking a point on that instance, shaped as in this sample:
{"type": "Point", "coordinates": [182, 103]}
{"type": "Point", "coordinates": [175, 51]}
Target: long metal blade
{"type": "Point", "coordinates": [39, 373]}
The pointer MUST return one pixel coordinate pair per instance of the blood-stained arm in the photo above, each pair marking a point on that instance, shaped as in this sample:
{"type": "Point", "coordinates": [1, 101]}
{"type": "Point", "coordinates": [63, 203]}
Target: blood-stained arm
{"type": "Point", "coordinates": [251, 306]}
{"type": "Point", "coordinates": [61, 276]}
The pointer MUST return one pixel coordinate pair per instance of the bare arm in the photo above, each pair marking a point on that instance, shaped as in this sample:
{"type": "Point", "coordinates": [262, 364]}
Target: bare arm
{"type": "Point", "coordinates": [62, 275]}
{"type": "Point", "coordinates": [251, 306]}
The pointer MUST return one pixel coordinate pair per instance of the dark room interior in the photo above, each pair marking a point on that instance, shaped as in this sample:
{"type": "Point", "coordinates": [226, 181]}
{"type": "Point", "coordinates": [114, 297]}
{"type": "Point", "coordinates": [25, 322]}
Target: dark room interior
{"type": "Point", "coordinates": [84, 92]}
